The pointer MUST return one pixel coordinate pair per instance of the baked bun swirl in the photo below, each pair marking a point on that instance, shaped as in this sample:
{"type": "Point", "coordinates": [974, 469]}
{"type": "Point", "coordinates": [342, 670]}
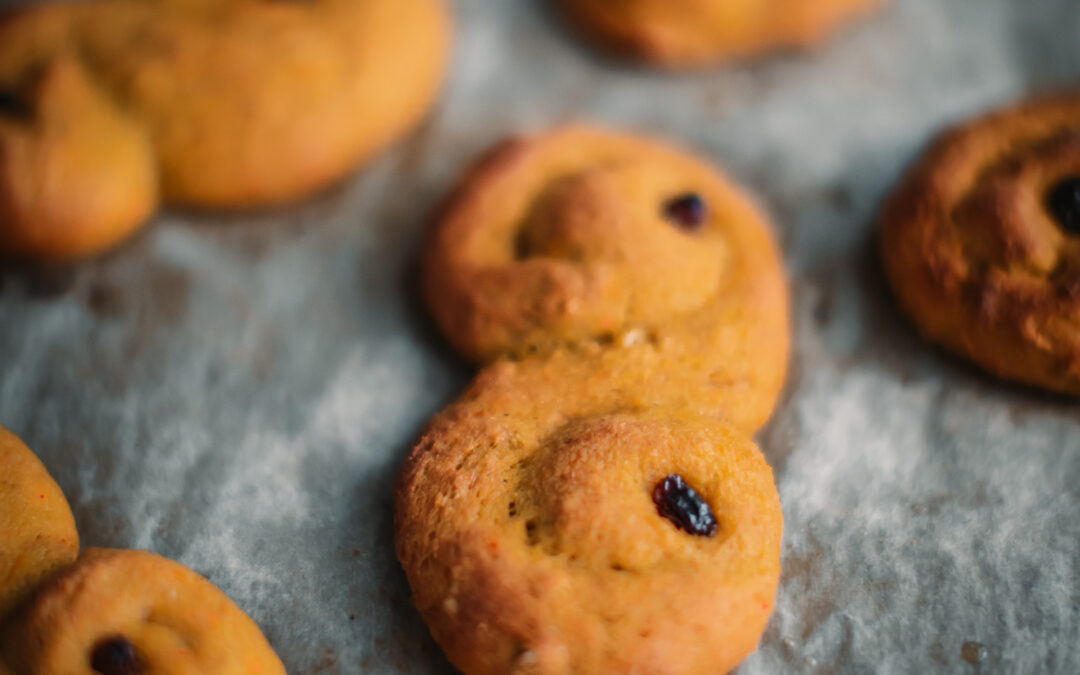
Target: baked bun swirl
{"type": "Point", "coordinates": [981, 242]}
{"type": "Point", "coordinates": [104, 612]}
{"type": "Point", "coordinates": [593, 502]}
{"type": "Point", "coordinates": [121, 612]}
{"type": "Point", "coordinates": [107, 108]}
{"type": "Point", "coordinates": [601, 243]}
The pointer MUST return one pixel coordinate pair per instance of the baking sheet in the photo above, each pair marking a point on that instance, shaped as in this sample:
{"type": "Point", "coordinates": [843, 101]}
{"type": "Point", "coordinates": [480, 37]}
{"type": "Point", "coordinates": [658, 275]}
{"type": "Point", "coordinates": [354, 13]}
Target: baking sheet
{"type": "Point", "coordinates": [237, 392]}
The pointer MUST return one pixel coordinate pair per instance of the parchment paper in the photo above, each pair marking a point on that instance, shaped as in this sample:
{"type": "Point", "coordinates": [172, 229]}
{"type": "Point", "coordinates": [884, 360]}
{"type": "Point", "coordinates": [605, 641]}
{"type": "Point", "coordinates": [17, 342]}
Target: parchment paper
{"type": "Point", "coordinates": [238, 392]}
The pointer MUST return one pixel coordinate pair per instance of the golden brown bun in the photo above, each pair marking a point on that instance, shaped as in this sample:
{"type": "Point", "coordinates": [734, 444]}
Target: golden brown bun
{"type": "Point", "coordinates": [165, 616]}
{"type": "Point", "coordinates": [561, 241]}
{"type": "Point", "coordinates": [975, 253]}
{"type": "Point", "coordinates": [678, 33]}
{"type": "Point", "coordinates": [593, 502]}
{"type": "Point", "coordinates": [37, 530]}
{"type": "Point", "coordinates": [217, 103]}
{"type": "Point", "coordinates": [531, 540]}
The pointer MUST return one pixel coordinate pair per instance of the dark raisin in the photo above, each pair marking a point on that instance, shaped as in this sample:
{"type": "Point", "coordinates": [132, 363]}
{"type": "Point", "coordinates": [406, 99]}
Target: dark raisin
{"type": "Point", "coordinates": [686, 211]}
{"type": "Point", "coordinates": [115, 656]}
{"type": "Point", "coordinates": [1064, 203]}
{"type": "Point", "coordinates": [12, 106]}
{"type": "Point", "coordinates": [679, 503]}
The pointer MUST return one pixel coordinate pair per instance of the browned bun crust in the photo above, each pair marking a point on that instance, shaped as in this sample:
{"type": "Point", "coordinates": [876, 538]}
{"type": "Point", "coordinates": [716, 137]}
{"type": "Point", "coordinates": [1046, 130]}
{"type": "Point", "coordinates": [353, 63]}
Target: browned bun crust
{"type": "Point", "coordinates": [974, 253]}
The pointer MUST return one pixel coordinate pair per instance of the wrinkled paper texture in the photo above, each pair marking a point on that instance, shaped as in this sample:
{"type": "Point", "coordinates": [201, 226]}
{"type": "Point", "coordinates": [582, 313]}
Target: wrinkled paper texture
{"type": "Point", "coordinates": [237, 392]}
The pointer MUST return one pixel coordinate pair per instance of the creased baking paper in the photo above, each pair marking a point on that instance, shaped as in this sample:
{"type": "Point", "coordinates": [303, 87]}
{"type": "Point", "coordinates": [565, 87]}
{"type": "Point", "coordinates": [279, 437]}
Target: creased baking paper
{"type": "Point", "coordinates": [238, 392]}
